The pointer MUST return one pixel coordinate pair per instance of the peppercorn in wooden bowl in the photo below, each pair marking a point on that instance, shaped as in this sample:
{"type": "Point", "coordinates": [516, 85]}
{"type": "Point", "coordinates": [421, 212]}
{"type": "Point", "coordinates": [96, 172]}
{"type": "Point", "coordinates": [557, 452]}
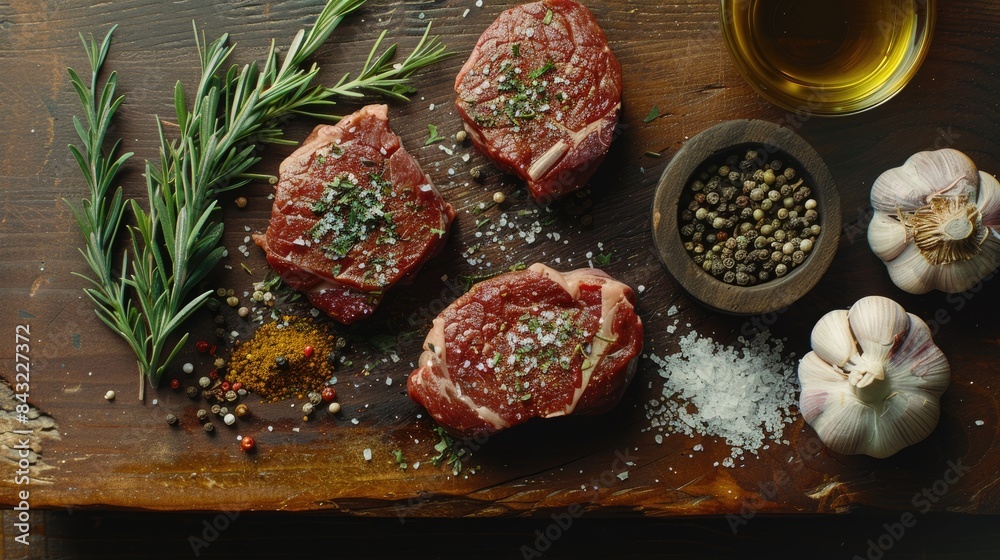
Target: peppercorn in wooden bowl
{"type": "Point", "coordinates": [746, 217]}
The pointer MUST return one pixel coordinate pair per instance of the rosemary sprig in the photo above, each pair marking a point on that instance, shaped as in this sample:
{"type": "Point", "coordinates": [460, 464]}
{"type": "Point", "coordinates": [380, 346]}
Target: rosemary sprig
{"type": "Point", "coordinates": [175, 243]}
{"type": "Point", "coordinates": [100, 216]}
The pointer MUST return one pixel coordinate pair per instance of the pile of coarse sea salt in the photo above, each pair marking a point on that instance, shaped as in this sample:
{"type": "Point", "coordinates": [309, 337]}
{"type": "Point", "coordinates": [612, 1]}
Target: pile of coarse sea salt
{"type": "Point", "coordinates": [742, 395]}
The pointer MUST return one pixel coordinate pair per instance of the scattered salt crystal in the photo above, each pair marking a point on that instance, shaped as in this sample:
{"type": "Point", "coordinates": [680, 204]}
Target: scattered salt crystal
{"type": "Point", "coordinates": [698, 447]}
{"type": "Point", "coordinates": [388, 381]}
{"type": "Point", "coordinates": [466, 12]}
{"type": "Point", "coordinates": [744, 396]}
{"type": "Point", "coordinates": [367, 454]}
{"type": "Point", "coordinates": [270, 428]}
{"type": "Point", "coordinates": [355, 421]}
{"type": "Point", "coordinates": [979, 422]}
{"type": "Point", "coordinates": [623, 476]}
{"type": "Point", "coordinates": [672, 311]}
{"type": "Point", "coordinates": [642, 288]}
{"type": "Point", "coordinates": [296, 430]}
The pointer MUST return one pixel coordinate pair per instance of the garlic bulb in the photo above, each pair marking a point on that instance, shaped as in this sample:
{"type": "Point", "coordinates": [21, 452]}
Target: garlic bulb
{"type": "Point", "coordinates": [872, 383]}
{"type": "Point", "coordinates": [936, 222]}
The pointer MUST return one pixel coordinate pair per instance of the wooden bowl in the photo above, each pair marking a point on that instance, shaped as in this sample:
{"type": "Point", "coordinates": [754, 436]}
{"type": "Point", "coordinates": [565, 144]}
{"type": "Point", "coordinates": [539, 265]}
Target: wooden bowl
{"type": "Point", "coordinates": [715, 143]}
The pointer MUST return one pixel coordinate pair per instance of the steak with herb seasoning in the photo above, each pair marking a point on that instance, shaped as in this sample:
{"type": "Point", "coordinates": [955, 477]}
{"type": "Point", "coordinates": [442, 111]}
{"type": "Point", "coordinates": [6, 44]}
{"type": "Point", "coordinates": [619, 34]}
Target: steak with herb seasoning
{"type": "Point", "coordinates": [540, 95]}
{"type": "Point", "coordinates": [527, 344]}
{"type": "Point", "coordinates": [353, 215]}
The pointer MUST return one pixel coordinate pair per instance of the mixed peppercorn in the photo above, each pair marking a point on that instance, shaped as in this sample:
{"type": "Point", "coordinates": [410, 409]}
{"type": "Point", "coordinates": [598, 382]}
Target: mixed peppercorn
{"type": "Point", "coordinates": [748, 220]}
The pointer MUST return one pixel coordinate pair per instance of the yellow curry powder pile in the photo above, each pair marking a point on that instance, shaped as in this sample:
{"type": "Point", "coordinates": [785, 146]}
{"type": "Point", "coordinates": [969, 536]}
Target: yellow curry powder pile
{"type": "Point", "coordinates": [290, 357]}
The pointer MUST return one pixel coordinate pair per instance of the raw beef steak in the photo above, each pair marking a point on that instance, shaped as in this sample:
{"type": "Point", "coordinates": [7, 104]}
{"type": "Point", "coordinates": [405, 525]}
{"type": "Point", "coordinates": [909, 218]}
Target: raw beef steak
{"type": "Point", "coordinates": [533, 343]}
{"type": "Point", "coordinates": [353, 215]}
{"type": "Point", "coordinates": [540, 95]}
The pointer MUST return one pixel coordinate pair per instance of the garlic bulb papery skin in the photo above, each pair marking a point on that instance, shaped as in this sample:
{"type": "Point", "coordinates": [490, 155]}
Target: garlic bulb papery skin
{"type": "Point", "coordinates": [873, 381]}
{"type": "Point", "coordinates": [936, 222]}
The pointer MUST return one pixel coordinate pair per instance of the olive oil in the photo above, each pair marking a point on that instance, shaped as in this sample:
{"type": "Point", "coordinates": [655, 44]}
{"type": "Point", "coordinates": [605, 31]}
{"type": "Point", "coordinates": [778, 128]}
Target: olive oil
{"type": "Point", "coordinates": [828, 56]}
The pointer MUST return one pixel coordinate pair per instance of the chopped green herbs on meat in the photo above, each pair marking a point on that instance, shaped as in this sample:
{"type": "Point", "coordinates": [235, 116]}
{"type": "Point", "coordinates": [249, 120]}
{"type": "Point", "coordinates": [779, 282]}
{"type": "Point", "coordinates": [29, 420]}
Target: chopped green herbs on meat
{"type": "Point", "coordinates": [524, 93]}
{"type": "Point", "coordinates": [538, 72]}
{"type": "Point", "coordinates": [349, 213]}
{"type": "Point", "coordinates": [548, 17]}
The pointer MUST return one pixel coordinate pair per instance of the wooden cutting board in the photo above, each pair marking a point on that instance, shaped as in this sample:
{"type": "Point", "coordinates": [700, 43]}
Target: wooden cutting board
{"type": "Point", "coordinates": [87, 451]}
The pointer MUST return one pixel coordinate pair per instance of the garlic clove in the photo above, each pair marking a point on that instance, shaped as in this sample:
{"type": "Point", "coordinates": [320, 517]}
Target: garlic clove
{"type": "Point", "coordinates": [917, 364]}
{"type": "Point", "coordinates": [960, 276]}
{"type": "Point", "coordinates": [989, 199]}
{"type": "Point", "coordinates": [887, 236]}
{"type": "Point", "coordinates": [909, 187]}
{"type": "Point", "coordinates": [877, 323]}
{"type": "Point", "coordinates": [911, 272]}
{"type": "Point", "coordinates": [831, 338]}
{"type": "Point", "coordinates": [822, 387]}
{"type": "Point", "coordinates": [902, 420]}
{"type": "Point", "coordinates": [846, 427]}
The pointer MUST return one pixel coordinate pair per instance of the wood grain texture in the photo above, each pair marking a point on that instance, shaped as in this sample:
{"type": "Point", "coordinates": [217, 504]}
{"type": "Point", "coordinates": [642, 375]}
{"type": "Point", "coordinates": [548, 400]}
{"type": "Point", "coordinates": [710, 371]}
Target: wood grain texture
{"type": "Point", "coordinates": [121, 454]}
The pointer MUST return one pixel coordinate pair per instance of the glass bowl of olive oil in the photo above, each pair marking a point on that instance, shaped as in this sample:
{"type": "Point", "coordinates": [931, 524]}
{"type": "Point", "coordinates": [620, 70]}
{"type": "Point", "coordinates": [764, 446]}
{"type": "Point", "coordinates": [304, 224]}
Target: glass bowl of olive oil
{"type": "Point", "coordinates": [828, 57]}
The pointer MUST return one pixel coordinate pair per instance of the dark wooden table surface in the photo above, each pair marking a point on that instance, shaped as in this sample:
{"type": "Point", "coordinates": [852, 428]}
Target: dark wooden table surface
{"type": "Point", "coordinates": [88, 452]}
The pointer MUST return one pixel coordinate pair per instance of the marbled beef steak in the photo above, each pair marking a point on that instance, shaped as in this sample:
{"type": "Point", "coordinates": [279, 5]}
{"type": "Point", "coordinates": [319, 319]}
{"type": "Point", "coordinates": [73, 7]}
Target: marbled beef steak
{"type": "Point", "coordinates": [540, 95]}
{"type": "Point", "coordinates": [527, 344]}
{"type": "Point", "coordinates": [353, 215]}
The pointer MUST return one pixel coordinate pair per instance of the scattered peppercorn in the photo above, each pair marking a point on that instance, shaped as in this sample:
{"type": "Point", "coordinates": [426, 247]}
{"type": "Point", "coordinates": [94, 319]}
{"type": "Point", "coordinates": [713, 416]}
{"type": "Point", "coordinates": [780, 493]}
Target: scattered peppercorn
{"type": "Point", "coordinates": [171, 419]}
{"type": "Point", "coordinates": [209, 426]}
{"type": "Point", "coordinates": [202, 414]}
{"type": "Point", "coordinates": [460, 136]}
{"type": "Point", "coordinates": [192, 391]}
{"type": "Point", "coordinates": [232, 301]}
{"type": "Point", "coordinates": [110, 395]}
{"type": "Point", "coordinates": [229, 419]}
{"type": "Point", "coordinates": [242, 410]}
{"type": "Point", "coordinates": [247, 443]}
{"type": "Point", "coordinates": [329, 394]}
{"type": "Point", "coordinates": [175, 384]}
{"type": "Point", "coordinates": [241, 202]}
{"type": "Point", "coordinates": [334, 407]}
{"type": "Point", "coordinates": [499, 197]}
{"type": "Point", "coordinates": [205, 382]}
{"type": "Point", "coordinates": [243, 311]}
{"type": "Point", "coordinates": [202, 346]}
{"type": "Point", "coordinates": [188, 367]}
{"type": "Point", "coordinates": [308, 351]}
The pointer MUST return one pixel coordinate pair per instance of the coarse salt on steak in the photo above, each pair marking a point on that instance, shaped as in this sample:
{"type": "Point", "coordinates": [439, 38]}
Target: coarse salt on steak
{"type": "Point", "coordinates": [353, 215]}
{"type": "Point", "coordinates": [540, 95]}
{"type": "Point", "coordinates": [526, 344]}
